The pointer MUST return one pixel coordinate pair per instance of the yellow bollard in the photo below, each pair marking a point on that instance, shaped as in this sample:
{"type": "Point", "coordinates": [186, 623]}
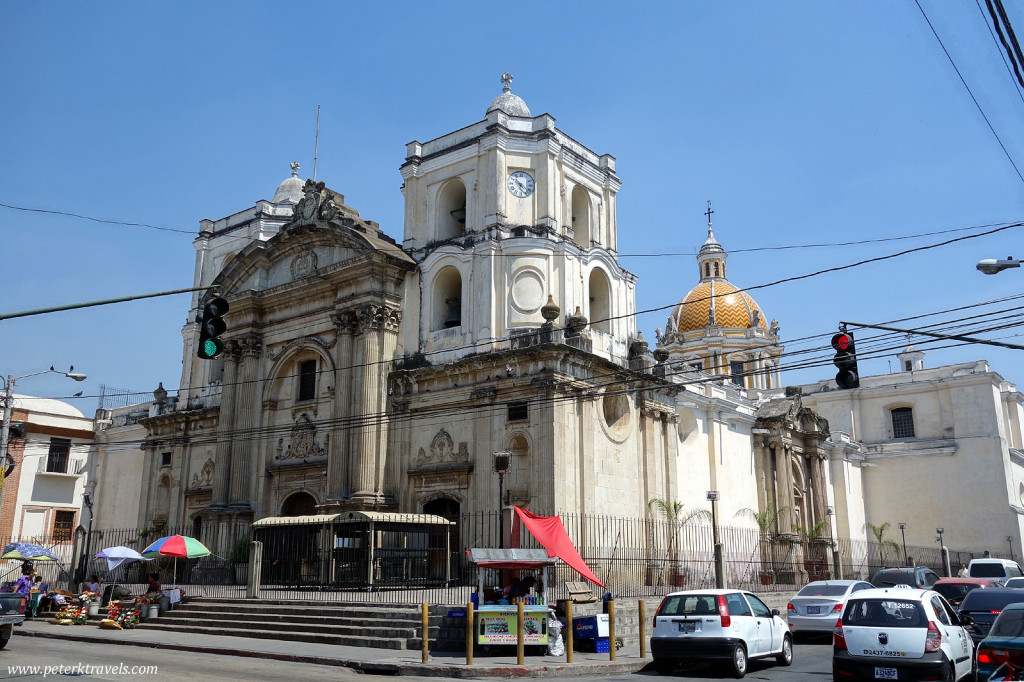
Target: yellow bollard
{"type": "Point", "coordinates": [426, 632]}
{"type": "Point", "coordinates": [470, 632]}
{"type": "Point", "coordinates": [611, 630]}
{"type": "Point", "coordinates": [520, 648]}
{"type": "Point", "coordinates": [643, 629]}
{"type": "Point", "coordinates": [568, 632]}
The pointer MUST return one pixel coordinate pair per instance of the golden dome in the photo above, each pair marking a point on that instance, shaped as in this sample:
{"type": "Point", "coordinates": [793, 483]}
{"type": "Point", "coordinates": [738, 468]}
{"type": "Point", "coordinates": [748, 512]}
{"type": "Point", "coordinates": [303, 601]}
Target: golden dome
{"type": "Point", "coordinates": [733, 308]}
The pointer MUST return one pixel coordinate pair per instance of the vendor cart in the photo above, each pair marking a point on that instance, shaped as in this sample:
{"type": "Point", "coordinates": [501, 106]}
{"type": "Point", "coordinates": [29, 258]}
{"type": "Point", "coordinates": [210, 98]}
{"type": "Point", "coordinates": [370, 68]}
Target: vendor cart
{"type": "Point", "coordinates": [495, 623]}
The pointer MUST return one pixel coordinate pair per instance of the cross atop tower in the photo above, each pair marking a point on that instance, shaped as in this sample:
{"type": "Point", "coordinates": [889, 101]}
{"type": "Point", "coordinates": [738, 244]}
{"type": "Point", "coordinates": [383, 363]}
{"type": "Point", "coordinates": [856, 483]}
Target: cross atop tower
{"type": "Point", "coordinates": [506, 79]}
{"type": "Point", "coordinates": [708, 213]}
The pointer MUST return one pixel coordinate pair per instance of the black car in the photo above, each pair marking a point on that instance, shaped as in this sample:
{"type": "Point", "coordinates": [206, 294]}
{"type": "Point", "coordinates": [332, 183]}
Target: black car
{"type": "Point", "coordinates": [920, 577]}
{"type": "Point", "coordinates": [980, 607]}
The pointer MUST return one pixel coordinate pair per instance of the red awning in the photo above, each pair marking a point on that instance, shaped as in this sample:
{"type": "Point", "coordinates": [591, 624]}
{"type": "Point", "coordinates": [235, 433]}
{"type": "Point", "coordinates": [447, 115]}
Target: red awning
{"type": "Point", "coordinates": [550, 532]}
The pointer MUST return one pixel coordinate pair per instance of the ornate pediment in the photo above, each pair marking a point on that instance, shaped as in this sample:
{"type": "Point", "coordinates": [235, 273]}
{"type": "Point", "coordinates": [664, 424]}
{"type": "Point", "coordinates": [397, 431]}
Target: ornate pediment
{"type": "Point", "coordinates": [442, 450]}
{"type": "Point", "coordinates": [204, 477]}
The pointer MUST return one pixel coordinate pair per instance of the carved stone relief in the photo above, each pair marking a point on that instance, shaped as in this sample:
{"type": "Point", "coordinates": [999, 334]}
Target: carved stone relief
{"type": "Point", "coordinates": [204, 477]}
{"type": "Point", "coordinates": [303, 442]}
{"type": "Point", "coordinates": [442, 449]}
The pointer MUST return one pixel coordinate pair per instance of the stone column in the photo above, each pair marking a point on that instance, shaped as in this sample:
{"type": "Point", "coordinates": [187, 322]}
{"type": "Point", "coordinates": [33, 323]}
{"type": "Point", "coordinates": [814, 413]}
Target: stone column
{"type": "Point", "coordinates": [339, 482]}
{"type": "Point", "coordinates": [244, 445]}
{"type": "Point", "coordinates": [379, 327]}
{"type": "Point", "coordinates": [225, 427]}
{"type": "Point", "coordinates": [784, 486]}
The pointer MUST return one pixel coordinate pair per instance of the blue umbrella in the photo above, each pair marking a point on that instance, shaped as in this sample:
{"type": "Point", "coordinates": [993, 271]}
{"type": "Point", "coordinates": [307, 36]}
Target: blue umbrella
{"type": "Point", "coordinates": [26, 551]}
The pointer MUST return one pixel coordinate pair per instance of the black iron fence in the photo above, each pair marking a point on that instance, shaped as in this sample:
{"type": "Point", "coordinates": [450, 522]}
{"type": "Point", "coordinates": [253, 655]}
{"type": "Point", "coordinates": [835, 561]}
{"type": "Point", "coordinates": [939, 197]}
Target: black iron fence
{"type": "Point", "coordinates": [396, 560]}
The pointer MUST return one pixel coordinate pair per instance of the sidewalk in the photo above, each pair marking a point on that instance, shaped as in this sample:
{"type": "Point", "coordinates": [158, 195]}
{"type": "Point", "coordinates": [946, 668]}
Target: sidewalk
{"type": "Point", "coordinates": [377, 661]}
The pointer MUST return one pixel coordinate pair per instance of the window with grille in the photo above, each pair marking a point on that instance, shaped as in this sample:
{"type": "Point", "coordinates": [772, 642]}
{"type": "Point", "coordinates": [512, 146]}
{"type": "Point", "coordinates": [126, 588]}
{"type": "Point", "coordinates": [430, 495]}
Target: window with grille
{"type": "Point", "coordinates": [903, 422]}
{"type": "Point", "coordinates": [165, 459]}
{"type": "Point", "coordinates": [57, 458]}
{"type": "Point", "coordinates": [518, 412]}
{"type": "Point", "coordinates": [736, 369]}
{"type": "Point", "coordinates": [307, 380]}
{"type": "Point", "coordinates": [63, 526]}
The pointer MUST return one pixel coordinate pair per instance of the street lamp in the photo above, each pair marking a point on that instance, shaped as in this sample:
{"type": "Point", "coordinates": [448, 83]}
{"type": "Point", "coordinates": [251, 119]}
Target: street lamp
{"type": "Point", "coordinates": [903, 532]}
{"type": "Point", "coordinates": [991, 266]}
{"type": "Point", "coordinates": [502, 465]}
{"type": "Point", "coordinates": [719, 561]}
{"type": "Point", "coordinates": [8, 405]}
{"type": "Point", "coordinates": [83, 564]}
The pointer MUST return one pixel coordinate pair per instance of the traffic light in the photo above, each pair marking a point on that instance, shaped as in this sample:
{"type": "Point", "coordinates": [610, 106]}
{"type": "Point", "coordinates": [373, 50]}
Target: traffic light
{"type": "Point", "coordinates": [210, 328]}
{"type": "Point", "coordinates": [846, 360]}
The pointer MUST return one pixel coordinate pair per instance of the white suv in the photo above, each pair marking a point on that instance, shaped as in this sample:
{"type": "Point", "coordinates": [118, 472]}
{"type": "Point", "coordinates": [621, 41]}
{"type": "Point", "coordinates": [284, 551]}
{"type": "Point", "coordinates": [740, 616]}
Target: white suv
{"type": "Point", "coordinates": [900, 633]}
{"type": "Point", "coordinates": [723, 625]}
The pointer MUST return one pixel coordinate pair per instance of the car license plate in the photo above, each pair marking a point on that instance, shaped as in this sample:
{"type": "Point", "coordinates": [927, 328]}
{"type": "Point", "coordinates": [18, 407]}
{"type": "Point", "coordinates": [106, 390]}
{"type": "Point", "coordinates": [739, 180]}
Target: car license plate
{"type": "Point", "coordinates": [885, 674]}
{"type": "Point", "coordinates": [813, 609]}
{"type": "Point", "coordinates": [687, 628]}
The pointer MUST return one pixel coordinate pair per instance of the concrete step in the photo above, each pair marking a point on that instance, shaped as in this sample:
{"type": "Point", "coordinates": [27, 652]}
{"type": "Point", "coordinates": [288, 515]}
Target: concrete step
{"type": "Point", "coordinates": [286, 635]}
{"type": "Point", "coordinates": [270, 623]}
{"type": "Point", "coordinates": [310, 619]}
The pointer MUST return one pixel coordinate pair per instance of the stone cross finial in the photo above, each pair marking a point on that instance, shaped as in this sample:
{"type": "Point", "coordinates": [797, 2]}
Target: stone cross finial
{"type": "Point", "coordinates": [506, 79]}
{"type": "Point", "coordinates": [708, 213]}
{"type": "Point", "coordinates": [295, 168]}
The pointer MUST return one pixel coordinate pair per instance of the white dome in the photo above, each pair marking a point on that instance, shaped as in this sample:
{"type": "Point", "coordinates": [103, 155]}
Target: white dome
{"type": "Point", "coordinates": [289, 191]}
{"type": "Point", "coordinates": [513, 105]}
{"type": "Point", "coordinates": [45, 406]}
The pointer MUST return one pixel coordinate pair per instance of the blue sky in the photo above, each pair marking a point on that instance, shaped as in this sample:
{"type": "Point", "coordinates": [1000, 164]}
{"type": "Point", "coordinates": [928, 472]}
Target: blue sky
{"type": "Point", "coordinates": [803, 122]}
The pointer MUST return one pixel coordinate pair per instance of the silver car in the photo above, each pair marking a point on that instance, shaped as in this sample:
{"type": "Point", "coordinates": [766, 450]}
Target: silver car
{"type": "Point", "coordinates": [818, 605]}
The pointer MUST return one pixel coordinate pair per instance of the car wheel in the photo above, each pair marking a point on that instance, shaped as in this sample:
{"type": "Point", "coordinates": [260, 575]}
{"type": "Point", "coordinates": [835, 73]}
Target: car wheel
{"type": "Point", "coordinates": [738, 664]}
{"type": "Point", "coordinates": [664, 667]}
{"type": "Point", "coordinates": [3, 642]}
{"type": "Point", "coordinates": [950, 674]}
{"type": "Point", "coordinates": [786, 657]}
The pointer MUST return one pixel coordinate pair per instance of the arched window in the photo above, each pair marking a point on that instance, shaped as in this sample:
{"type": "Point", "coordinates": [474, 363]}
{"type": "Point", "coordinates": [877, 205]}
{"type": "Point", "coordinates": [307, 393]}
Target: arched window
{"type": "Point", "coordinates": [707, 269]}
{"type": "Point", "coordinates": [451, 209]}
{"type": "Point", "coordinates": [716, 268]}
{"type": "Point", "coordinates": [447, 300]}
{"type": "Point", "coordinates": [299, 504]}
{"type": "Point", "coordinates": [519, 447]}
{"type": "Point", "coordinates": [600, 302]}
{"type": "Point", "coordinates": [581, 217]}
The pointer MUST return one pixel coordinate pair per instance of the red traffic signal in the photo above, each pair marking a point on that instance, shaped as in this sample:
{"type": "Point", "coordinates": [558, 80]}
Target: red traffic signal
{"type": "Point", "coordinates": [846, 360]}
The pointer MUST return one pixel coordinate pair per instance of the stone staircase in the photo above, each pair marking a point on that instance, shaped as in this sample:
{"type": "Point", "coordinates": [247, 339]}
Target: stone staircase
{"type": "Point", "coordinates": [381, 626]}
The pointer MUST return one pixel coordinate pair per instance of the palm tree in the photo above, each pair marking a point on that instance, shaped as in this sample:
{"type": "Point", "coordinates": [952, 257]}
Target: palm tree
{"type": "Point", "coordinates": [879, 533]}
{"type": "Point", "coordinates": [766, 520]}
{"type": "Point", "coordinates": [675, 516]}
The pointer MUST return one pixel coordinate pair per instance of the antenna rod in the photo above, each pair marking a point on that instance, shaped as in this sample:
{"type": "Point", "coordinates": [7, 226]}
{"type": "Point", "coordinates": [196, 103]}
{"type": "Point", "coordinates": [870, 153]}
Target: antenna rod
{"type": "Point", "coordinates": [316, 144]}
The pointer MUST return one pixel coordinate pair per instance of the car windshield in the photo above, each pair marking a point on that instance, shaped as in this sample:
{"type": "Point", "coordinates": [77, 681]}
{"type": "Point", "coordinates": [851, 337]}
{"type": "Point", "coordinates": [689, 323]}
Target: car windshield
{"type": "Point", "coordinates": [987, 571]}
{"type": "Point", "coordinates": [1009, 624]}
{"type": "Point", "coordinates": [990, 600]}
{"type": "Point", "coordinates": [689, 605]}
{"type": "Point", "coordinates": [1015, 582]}
{"type": "Point", "coordinates": [895, 578]}
{"type": "Point", "coordinates": [885, 613]}
{"type": "Point", "coordinates": [822, 590]}
{"type": "Point", "coordinates": [955, 591]}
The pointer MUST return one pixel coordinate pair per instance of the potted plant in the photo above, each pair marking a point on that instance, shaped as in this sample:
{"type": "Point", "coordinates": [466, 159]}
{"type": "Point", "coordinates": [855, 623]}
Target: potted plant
{"type": "Point", "coordinates": [767, 521]}
{"type": "Point", "coordinates": [240, 560]}
{"type": "Point", "coordinates": [149, 604]}
{"type": "Point", "coordinates": [676, 518]}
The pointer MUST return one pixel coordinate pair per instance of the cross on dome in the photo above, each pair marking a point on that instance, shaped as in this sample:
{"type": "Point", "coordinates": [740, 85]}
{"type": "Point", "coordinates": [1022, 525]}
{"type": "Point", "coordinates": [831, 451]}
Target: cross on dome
{"type": "Point", "coordinates": [506, 79]}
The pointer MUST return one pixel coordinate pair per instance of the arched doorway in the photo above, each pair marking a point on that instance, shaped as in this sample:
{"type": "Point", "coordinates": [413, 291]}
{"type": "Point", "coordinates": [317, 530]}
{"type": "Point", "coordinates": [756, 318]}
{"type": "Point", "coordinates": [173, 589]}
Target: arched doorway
{"type": "Point", "coordinates": [299, 504]}
{"type": "Point", "coordinates": [449, 509]}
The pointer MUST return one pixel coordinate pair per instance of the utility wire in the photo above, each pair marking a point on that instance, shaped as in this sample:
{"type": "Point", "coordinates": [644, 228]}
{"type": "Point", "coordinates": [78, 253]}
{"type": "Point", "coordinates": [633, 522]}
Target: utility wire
{"type": "Point", "coordinates": [967, 87]}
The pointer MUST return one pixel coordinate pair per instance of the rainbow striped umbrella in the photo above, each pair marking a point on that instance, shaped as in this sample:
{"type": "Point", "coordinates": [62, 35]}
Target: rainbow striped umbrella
{"type": "Point", "coordinates": [176, 546]}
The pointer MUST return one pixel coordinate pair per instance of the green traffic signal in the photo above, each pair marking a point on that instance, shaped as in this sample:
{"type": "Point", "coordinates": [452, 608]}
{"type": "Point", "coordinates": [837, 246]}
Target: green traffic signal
{"type": "Point", "coordinates": [212, 326]}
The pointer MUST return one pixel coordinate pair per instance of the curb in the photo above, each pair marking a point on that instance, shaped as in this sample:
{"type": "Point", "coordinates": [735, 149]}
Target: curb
{"type": "Point", "coordinates": [429, 670]}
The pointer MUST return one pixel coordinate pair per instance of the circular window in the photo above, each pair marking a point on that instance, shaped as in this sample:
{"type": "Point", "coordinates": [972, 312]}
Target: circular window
{"type": "Point", "coordinates": [616, 413]}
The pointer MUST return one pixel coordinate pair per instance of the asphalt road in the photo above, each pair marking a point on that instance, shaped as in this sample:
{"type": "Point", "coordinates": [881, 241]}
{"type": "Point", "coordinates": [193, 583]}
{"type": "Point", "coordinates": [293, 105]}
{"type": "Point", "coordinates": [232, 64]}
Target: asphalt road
{"type": "Point", "coordinates": [811, 662]}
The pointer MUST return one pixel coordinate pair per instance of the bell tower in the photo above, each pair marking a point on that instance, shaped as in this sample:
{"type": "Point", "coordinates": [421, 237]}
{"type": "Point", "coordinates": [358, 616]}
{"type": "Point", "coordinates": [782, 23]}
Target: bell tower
{"type": "Point", "coordinates": [502, 214]}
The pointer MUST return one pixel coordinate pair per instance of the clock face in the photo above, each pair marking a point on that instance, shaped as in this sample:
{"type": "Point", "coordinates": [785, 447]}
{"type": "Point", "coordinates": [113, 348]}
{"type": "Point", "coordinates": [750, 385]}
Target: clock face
{"type": "Point", "coordinates": [520, 184]}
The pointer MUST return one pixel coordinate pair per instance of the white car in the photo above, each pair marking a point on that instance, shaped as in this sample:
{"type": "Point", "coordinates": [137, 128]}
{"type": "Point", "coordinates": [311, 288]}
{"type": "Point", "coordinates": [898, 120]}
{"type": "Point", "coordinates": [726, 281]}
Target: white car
{"type": "Point", "coordinates": [724, 625]}
{"type": "Point", "coordinates": [900, 633]}
{"type": "Point", "coordinates": [817, 605]}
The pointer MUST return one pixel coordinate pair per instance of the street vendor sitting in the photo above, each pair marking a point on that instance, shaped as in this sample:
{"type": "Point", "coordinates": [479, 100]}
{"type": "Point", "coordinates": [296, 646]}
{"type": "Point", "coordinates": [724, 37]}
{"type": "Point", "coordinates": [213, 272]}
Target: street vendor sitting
{"type": "Point", "coordinates": [154, 583]}
{"type": "Point", "coordinates": [520, 588]}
